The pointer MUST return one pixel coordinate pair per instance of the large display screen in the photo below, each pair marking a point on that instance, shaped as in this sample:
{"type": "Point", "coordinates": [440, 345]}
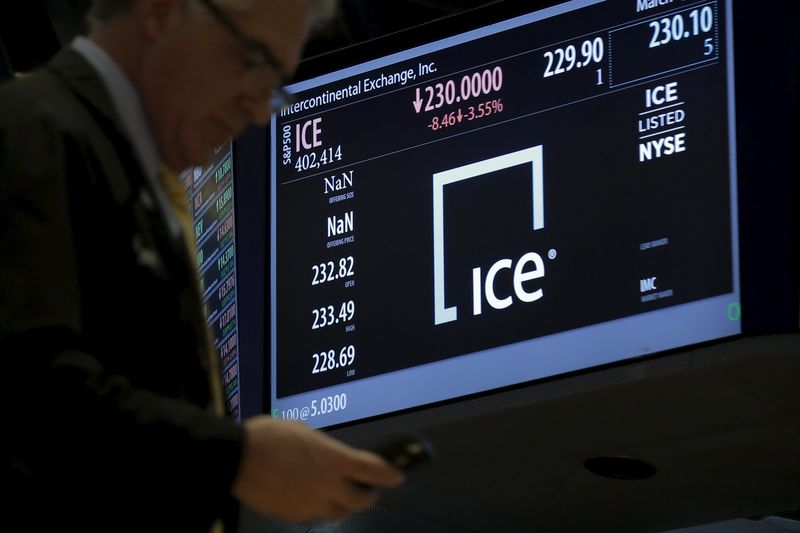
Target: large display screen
{"type": "Point", "coordinates": [210, 193]}
{"type": "Point", "coordinates": [541, 195]}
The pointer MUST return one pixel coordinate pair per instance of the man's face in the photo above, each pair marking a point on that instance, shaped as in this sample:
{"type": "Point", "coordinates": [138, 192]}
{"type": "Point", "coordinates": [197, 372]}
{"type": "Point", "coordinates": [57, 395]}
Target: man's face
{"type": "Point", "coordinates": [195, 86]}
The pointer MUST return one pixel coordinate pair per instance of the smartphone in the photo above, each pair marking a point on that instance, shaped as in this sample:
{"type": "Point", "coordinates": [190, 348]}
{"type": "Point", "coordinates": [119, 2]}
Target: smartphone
{"type": "Point", "coordinates": [406, 452]}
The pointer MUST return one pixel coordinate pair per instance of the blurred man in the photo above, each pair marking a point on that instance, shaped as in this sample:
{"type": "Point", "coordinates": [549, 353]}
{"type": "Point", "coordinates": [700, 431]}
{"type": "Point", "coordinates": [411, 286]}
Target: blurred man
{"type": "Point", "coordinates": [106, 388]}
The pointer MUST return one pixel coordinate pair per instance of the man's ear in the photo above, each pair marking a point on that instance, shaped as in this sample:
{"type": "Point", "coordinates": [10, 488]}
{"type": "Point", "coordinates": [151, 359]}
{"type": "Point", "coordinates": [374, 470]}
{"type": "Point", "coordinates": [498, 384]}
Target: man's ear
{"type": "Point", "coordinates": [158, 16]}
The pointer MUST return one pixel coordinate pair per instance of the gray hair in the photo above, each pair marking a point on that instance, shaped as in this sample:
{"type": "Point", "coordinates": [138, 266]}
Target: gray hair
{"type": "Point", "coordinates": [103, 11]}
{"type": "Point", "coordinates": [324, 11]}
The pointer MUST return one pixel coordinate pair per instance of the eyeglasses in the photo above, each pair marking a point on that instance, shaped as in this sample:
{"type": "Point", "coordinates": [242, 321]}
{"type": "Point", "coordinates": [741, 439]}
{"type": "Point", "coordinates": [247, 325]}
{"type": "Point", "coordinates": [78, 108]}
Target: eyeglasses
{"type": "Point", "coordinates": [259, 56]}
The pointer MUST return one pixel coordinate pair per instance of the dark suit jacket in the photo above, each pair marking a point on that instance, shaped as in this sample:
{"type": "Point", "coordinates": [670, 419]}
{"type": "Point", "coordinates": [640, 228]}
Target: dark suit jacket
{"type": "Point", "coordinates": [101, 337]}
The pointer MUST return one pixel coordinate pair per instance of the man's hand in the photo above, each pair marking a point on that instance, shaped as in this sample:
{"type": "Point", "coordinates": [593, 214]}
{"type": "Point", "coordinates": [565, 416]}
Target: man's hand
{"type": "Point", "coordinates": [293, 472]}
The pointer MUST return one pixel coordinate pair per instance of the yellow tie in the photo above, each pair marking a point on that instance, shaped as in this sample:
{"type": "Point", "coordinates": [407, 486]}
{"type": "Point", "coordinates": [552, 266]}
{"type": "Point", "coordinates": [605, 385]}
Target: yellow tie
{"type": "Point", "coordinates": [176, 194]}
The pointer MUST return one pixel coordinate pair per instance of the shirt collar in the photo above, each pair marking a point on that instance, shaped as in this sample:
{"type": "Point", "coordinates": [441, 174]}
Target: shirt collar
{"type": "Point", "coordinates": [127, 103]}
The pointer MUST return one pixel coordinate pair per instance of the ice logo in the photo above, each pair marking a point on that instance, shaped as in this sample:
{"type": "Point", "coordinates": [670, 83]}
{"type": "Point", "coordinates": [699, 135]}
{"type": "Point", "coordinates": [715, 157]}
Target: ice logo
{"type": "Point", "coordinates": [484, 288]}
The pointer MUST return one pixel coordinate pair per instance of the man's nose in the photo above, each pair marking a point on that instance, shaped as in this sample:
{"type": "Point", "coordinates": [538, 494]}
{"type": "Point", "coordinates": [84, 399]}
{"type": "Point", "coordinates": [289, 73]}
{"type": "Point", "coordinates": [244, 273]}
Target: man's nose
{"type": "Point", "coordinates": [256, 109]}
